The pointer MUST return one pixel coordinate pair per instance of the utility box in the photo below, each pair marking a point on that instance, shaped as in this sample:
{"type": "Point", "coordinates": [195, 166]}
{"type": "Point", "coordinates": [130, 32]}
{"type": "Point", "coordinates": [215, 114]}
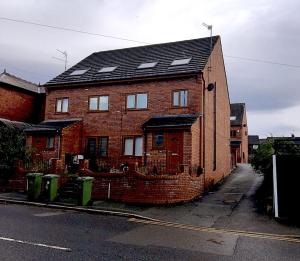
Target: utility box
{"type": "Point", "coordinates": [34, 185]}
{"type": "Point", "coordinates": [85, 185]}
{"type": "Point", "coordinates": [50, 185]}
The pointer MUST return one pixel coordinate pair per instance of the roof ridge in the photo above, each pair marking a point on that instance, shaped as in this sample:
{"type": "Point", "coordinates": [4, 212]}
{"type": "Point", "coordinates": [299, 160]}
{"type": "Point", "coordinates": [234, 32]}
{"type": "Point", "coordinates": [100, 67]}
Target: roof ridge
{"type": "Point", "coordinates": [156, 44]}
{"type": "Point", "coordinates": [18, 78]}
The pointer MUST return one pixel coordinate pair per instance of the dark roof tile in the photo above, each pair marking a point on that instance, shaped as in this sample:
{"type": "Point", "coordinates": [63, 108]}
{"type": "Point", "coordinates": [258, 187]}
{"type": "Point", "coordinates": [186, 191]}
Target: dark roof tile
{"type": "Point", "coordinates": [127, 61]}
{"type": "Point", "coordinates": [167, 121]}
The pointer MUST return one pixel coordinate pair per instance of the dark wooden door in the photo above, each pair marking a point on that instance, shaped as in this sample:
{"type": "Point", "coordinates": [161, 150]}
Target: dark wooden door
{"type": "Point", "coordinates": [174, 151]}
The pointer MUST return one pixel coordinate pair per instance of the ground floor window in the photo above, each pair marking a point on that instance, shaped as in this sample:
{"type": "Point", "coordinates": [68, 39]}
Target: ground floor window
{"type": "Point", "coordinates": [158, 140]}
{"type": "Point", "coordinates": [103, 146]}
{"type": "Point", "coordinates": [50, 142]}
{"type": "Point", "coordinates": [97, 146]}
{"type": "Point", "coordinates": [133, 146]}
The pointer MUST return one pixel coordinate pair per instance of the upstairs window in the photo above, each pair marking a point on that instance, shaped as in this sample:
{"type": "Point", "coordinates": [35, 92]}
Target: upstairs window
{"type": "Point", "coordinates": [62, 105]}
{"type": "Point", "coordinates": [180, 98]}
{"type": "Point", "coordinates": [98, 103]}
{"type": "Point", "coordinates": [133, 146]}
{"type": "Point", "coordinates": [181, 61]}
{"type": "Point", "coordinates": [137, 101]}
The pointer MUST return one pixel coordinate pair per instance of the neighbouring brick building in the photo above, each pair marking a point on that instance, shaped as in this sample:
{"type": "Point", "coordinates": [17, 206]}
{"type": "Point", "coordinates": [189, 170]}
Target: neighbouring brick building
{"type": "Point", "coordinates": [21, 100]}
{"type": "Point", "coordinates": [162, 107]}
{"type": "Point", "coordinates": [238, 133]}
{"type": "Point", "coordinates": [253, 145]}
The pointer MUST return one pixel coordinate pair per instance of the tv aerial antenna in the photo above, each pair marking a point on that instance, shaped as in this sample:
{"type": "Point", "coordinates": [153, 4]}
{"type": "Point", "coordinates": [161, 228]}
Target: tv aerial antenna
{"type": "Point", "coordinates": [65, 59]}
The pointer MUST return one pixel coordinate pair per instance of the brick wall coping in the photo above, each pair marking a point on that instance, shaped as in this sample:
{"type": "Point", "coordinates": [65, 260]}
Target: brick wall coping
{"type": "Point", "coordinates": [137, 175]}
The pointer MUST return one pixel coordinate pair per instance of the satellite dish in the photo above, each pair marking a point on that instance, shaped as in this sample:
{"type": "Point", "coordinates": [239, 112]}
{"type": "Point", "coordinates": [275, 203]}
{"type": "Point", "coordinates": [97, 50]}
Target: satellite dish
{"type": "Point", "coordinates": [210, 87]}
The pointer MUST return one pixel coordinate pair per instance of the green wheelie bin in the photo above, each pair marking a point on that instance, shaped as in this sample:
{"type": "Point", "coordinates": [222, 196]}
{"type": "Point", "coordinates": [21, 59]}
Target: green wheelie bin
{"type": "Point", "coordinates": [50, 185]}
{"type": "Point", "coordinates": [34, 181]}
{"type": "Point", "coordinates": [85, 190]}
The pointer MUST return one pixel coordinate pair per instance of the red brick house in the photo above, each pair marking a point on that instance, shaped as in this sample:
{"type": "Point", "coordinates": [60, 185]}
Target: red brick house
{"type": "Point", "coordinates": [238, 133]}
{"type": "Point", "coordinates": [164, 106]}
{"type": "Point", "coordinates": [20, 100]}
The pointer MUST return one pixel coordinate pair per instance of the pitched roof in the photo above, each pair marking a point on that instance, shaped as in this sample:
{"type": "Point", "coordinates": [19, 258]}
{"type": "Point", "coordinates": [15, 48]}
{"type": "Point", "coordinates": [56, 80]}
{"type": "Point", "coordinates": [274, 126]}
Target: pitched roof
{"type": "Point", "coordinates": [14, 124]}
{"type": "Point", "coordinates": [253, 139]}
{"type": "Point", "coordinates": [51, 125]}
{"type": "Point", "coordinates": [128, 60]}
{"type": "Point", "coordinates": [167, 121]}
{"type": "Point", "coordinates": [237, 110]}
{"type": "Point", "coordinates": [20, 83]}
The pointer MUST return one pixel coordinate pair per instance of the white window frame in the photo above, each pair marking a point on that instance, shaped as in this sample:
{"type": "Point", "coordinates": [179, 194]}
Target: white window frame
{"type": "Point", "coordinates": [98, 108]}
{"type": "Point", "coordinates": [133, 150]}
{"type": "Point", "coordinates": [182, 98]}
{"type": "Point", "coordinates": [135, 102]}
{"type": "Point", "coordinates": [62, 105]}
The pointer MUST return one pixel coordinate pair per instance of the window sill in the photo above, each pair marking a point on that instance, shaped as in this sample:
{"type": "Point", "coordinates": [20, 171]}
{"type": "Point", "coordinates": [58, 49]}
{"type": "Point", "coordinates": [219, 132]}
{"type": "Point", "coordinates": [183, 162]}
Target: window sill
{"type": "Point", "coordinates": [131, 156]}
{"type": "Point", "coordinates": [144, 109]}
{"type": "Point", "coordinates": [62, 113]}
{"type": "Point", "coordinates": [179, 107]}
{"type": "Point", "coordinates": [96, 111]}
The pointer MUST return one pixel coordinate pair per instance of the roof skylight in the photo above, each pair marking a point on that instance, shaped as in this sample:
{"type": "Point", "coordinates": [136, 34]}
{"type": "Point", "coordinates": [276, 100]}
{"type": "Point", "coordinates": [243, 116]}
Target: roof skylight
{"type": "Point", "coordinates": [181, 61]}
{"type": "Point", "coordinates": [107, 69]}
{"type": "Point", "coordinates": [147, 65]}
{"type": "Point", "coordinates": [78, 72]}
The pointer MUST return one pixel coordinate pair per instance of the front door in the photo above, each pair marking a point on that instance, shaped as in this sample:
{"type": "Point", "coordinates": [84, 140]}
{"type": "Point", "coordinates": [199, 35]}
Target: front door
{"type": "Point", "coordinates": [174, 151]}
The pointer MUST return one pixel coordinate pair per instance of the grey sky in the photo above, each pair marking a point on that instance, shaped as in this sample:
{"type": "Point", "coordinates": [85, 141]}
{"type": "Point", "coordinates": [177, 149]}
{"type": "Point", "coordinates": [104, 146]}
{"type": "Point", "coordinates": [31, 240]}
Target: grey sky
{"type": "Point", "coordinates": [260, 29]}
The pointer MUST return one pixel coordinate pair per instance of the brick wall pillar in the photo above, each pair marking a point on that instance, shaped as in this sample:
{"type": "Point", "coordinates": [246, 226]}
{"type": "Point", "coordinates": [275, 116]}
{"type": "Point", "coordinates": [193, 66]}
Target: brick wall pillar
{"type": "Point", "coordinates": [84, 164]}
{"type": "Point", "coordinates": [57, 166]}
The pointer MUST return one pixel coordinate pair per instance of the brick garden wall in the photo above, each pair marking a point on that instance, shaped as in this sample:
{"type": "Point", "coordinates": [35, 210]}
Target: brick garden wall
{"type": "Point", "coordinates": [133, 187]}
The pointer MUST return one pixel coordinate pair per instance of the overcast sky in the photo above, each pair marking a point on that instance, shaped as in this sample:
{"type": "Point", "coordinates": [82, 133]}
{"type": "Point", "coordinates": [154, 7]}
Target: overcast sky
{"type": "Point", "coordinates": [266, 30]}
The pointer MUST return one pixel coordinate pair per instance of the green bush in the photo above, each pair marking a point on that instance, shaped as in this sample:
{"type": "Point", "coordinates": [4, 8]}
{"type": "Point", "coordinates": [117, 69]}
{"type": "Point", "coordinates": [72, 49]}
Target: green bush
{"type": "Point", "coordinates": [12, 147]}
{"type": "Point", "coordinates": [262, 161]}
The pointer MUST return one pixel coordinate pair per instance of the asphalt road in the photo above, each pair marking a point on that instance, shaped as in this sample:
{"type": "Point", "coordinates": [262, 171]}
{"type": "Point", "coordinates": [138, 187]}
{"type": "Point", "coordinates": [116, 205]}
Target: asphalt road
{"type": "Point", "coordinates": [32, 233]}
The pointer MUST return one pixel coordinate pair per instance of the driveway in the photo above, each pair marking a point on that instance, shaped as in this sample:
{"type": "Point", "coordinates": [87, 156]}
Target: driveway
{"type": "Point", "coordinates": [231, 206]}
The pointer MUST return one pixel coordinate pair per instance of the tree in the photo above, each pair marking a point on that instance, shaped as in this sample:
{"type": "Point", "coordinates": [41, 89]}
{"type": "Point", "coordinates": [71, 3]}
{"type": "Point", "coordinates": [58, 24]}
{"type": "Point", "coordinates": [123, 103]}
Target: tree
{"type": "Point", "coordinates": [262, 161]}
{"type": "Point", "coordinates": [12, 147]}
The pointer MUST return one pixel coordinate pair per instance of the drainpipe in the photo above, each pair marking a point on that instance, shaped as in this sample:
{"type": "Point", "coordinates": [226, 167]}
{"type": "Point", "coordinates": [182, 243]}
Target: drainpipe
{"type": "Point", "coordinates": [203, 127]}
{"type": "Point", "coordinates": [215, 128]}
{"type": "Point", "coordinates": [59, 147]}
{"type": "Point", "coordinates": [145, 146]}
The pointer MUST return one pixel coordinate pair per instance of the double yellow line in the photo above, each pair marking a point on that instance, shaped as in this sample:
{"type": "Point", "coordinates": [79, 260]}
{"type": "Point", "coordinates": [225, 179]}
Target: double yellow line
{"type": "Point", "coordinates": [279, 237]}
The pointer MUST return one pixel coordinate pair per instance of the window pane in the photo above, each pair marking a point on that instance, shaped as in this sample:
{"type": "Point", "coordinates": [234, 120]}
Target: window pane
{"type": "Point", "coordinates": [131, 101]}
{"type": "Point", "coordinates": [175, 98]}
{"type": "Point", "coordinates": [103, 146]}
{"type": "Point", "coordinates": [58, 105]}
{"type": "Point", "coordinates": [142, 100]}
{"type": "Point", "coordinates": [103, 103]}
{"type": "Point", "coordinates": [91, 147]}
{"type": "Point", "coordinates": [128, 144]}
{"type": "Point", "coordinates": [65, 105]}
{"type": "Point", "coordinates": [50, 143]}
{"type": "Point", "coordinates": [138, 150]}
{"type": "Point", "coordinates": [93, 104]}
{"type": "Point", "coordinates": [158, 140]}
{"type": "Point", "coordinates": [183, 98]}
